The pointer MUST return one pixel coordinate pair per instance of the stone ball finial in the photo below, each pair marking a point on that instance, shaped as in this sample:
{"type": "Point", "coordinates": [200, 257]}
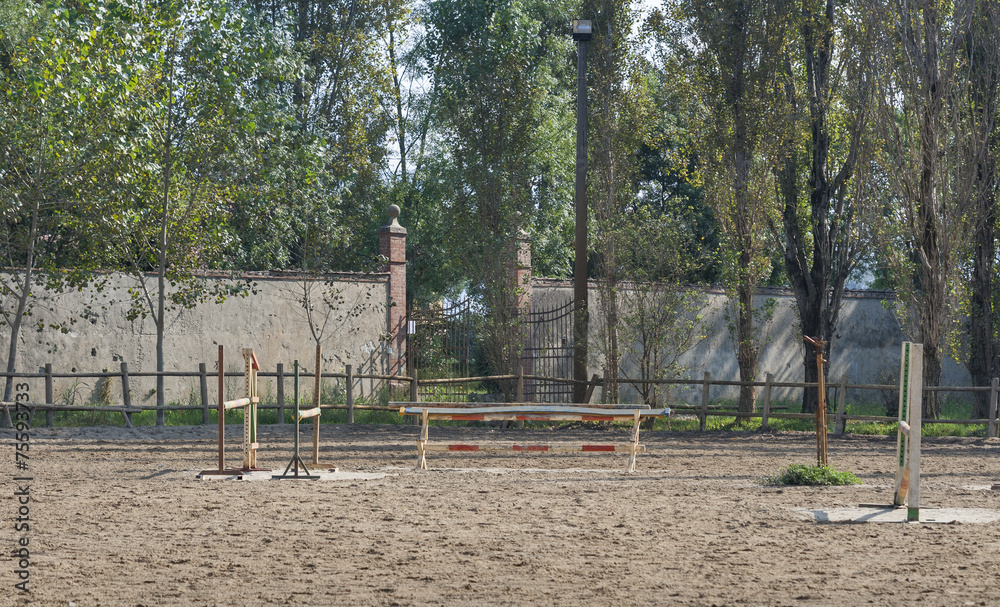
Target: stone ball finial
{"type": "Point", "coordinates": [393, 226]}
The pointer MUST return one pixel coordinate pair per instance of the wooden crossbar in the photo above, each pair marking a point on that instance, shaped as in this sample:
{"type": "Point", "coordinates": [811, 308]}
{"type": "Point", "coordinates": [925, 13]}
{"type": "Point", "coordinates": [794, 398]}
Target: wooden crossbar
{"type": "Point", "coordinates": [307, 413]}
{"type": "Point", "coordinates": [239, 403]}
{"type": "Point", "coordinates": [530, 412]}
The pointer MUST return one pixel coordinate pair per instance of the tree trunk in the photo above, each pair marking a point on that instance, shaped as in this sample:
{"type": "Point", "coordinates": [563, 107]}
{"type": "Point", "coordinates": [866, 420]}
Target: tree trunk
{"type": "Point", "coordinates": [22, 306]}
{"type": "Point", "coordinates": [400, 118]}
{"type": "Point", "coordinates": [932, 262]}
{"type": "Point", "coordinates": [161, 294]}
{"type": "Point", "coordinates": [746, 351]}
{"type": "Point", "coordinates": [810, 317]}
{"type": "Point", "coordinates": [818, 283]}
{"type": "Point", "coordinates": [161, 278]}
{"type": "Point", "coordinates": [811, 371]}
{"type": "Point", "coordinates": [983, 348]}
{"type": "Point", "coordinates": [982, 54]}
{"type": "Point", "coordinates": [609, 302]}
{"type": "Point", "coordinates": [611, 394]}
{"type": "Point", "coordinates": [15, 332]}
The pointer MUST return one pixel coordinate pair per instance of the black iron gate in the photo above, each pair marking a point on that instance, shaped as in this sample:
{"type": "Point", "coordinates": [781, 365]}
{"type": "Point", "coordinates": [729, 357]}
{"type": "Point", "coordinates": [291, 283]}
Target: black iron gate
{"type": "Point", "coordinates": [440, 346]}
{"type": "Point", "coordinates": [549, 353]}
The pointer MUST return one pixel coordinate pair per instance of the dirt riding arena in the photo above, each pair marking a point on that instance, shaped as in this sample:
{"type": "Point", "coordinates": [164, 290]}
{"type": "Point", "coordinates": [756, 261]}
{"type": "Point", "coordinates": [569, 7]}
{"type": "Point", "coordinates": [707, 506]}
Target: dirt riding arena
{"type": "Point", "coordinates": [118, 518]}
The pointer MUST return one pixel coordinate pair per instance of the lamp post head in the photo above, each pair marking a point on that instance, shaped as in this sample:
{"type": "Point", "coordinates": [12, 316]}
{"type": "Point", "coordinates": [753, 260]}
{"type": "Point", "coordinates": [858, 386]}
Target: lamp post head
{"type": "Point", "coordinates": [581, 30]}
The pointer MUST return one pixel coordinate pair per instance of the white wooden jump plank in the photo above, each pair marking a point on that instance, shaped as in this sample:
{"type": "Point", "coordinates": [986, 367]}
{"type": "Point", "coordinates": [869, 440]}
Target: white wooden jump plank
{"type": "Point", "coordinates": [535, 448]}
{"type": "Point", "coordinates": [528, 417]}
{"type": "Point", "coordinates": [437, 405]}
{"type": "Point", "coordinates": [236, 404]}
{"type": "Point", "coordinates": [537, 410]}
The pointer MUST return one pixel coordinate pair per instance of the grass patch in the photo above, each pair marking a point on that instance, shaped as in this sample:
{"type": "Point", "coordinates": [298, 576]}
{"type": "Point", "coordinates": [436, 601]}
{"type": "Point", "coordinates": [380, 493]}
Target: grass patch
{"type": "Point", "coordinates": [801, 474]}
{"type": "Point", "coordinates": [380, 393]}
{"type": "Point", "coordinates": [687, 420]}
{"type": "Point", "coordinates": [82, 418]}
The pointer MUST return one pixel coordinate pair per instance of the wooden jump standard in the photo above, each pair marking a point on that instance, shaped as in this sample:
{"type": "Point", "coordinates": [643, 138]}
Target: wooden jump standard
{"type": "Point", "coordinates": [530, 412]}
{"type": "Point", "coordinates": [296, 462]}
{"type": "Point", "coordinates": [911, 410]}
{"type": "Point", "coordinates": [249, 404]}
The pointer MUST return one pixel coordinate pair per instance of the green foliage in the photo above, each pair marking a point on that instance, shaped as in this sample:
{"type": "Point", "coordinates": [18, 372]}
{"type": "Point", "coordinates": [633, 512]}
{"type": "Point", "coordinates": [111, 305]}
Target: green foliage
{"type": "Point", "coordinates": [315, 198]}
{"type": "Point", "coordinates": [801, 474]}
{"type": "Point", "coordinates": [191, 126]}
{"type": "Point", "coordinates": [58, 84]}
{"type": "Point", "coordinates": [493, 64]}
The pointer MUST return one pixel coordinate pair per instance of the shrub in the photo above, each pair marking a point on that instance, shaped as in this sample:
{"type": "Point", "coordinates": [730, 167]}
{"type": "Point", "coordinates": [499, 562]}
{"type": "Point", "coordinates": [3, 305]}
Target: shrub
{"type": "Point", "coordinates": [800, 474]}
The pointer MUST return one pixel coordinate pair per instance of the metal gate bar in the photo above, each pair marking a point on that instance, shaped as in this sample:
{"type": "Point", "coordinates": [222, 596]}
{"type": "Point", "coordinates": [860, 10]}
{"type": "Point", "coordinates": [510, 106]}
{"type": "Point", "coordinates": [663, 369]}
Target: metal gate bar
{"type": "Point", "coordinates": [549, 353]}
{"type": "Point", "coordinates": [441, 347]}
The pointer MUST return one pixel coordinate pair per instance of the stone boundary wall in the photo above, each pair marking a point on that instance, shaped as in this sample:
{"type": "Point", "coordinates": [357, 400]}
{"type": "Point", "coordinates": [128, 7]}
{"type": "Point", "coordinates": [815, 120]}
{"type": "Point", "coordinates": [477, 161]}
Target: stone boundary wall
{"type": "Point", "coordinates": [271, 320]}
{"type": "Point", "coordinates": [866, 347]}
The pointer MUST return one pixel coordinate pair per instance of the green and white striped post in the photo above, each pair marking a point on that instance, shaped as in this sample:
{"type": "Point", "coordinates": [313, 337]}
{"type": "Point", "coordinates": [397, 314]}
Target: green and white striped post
{"type": "Point", "coordinates": [911, 385]}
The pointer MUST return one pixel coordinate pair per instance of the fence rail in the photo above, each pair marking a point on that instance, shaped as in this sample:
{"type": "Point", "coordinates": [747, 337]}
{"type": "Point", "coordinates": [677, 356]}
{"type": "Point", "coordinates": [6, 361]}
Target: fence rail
{"type": "Point", "coordinates": [702, 411]}
{"type": "Point", "coordinates": [127, 408]}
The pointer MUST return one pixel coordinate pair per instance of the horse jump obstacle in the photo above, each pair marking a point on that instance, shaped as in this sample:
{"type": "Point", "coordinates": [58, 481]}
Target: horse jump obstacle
{"type": "Point", "coordinates": [296, 461]}
{"type": "Point", "coordinates": [821, 443]}
{"type": "Point", "coordinates": [911, 410]}
{"type": "Point", "coordinates": [249, 404]}
{"type": "Point", "coordinates": [528, 412]}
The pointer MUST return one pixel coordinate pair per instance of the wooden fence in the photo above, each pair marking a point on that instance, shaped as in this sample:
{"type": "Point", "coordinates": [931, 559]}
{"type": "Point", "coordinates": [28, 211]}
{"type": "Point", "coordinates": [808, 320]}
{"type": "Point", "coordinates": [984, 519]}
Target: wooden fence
{"type": "Point", "coordinates": [703, 411]}
{"type": "Point", "coordinates": [840, 417]}
{"type": "Point", "coordinates": [127, 408]}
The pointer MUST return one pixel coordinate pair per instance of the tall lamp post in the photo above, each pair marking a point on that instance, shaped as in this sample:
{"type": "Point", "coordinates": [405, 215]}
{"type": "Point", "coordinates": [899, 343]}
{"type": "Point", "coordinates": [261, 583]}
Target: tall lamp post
{"type": "Point", "coordinates": [581, 35]}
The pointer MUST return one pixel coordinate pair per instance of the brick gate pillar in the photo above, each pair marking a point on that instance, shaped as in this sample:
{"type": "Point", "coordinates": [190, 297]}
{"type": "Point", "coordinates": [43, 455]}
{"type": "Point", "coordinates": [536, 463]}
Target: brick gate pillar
{"type": "Point", "coordinates": [392, 246]}
{"type": "Point", "coordinates": [522, 273]}
{"type": "Point", "coordinates": [522, 286]}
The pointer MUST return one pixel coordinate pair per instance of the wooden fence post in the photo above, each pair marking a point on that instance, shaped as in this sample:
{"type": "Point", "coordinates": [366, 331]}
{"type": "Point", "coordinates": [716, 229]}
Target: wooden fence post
{"type": "Point", "coordinates": [49, 396]}
{"type": "Point", "coordinates": [994, 389]}
{"type": "Point", "coordinates": [281, 393]}
{"type": "Point", "coordinates": [203, 380]}
{"type": "Point", "coordinates": [126, 395]}
{"type": "Point", "coordinates": [704, 401]}
{"type": "Point", "coordinates": [350, 393]}
{"type": "Point", "coordinates": [839, 425]}
{"type": "Point", "coordinates": [519, 392]}
{"type": "Point", "coordinates": [6, 419]}
{"type": "Point", "coordinates": [590, 388]}
{"type": "Point", "coordinates": [519, 388]}
{"type": "Point", "coordinates": [768, 380]}
{"type": "Point", "coordinates": [414, 394]}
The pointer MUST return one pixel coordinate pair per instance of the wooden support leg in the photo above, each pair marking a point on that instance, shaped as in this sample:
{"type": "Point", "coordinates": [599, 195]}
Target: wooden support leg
{"type": "Point", "coordinates": [634, 447]}
{"type": "Point", "coordinates": [222, 415]}
{"type": "Point", "coordinates": [247, 412]}
{"type": "Point", "coordinates": [256, 407]}
{"type": "Point", "coordinates": [421, 452]}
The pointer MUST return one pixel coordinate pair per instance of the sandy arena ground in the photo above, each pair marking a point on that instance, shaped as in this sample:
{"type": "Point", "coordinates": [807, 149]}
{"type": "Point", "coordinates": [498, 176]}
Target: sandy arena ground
{"type": "Point", "coordinates": [118, 518]}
